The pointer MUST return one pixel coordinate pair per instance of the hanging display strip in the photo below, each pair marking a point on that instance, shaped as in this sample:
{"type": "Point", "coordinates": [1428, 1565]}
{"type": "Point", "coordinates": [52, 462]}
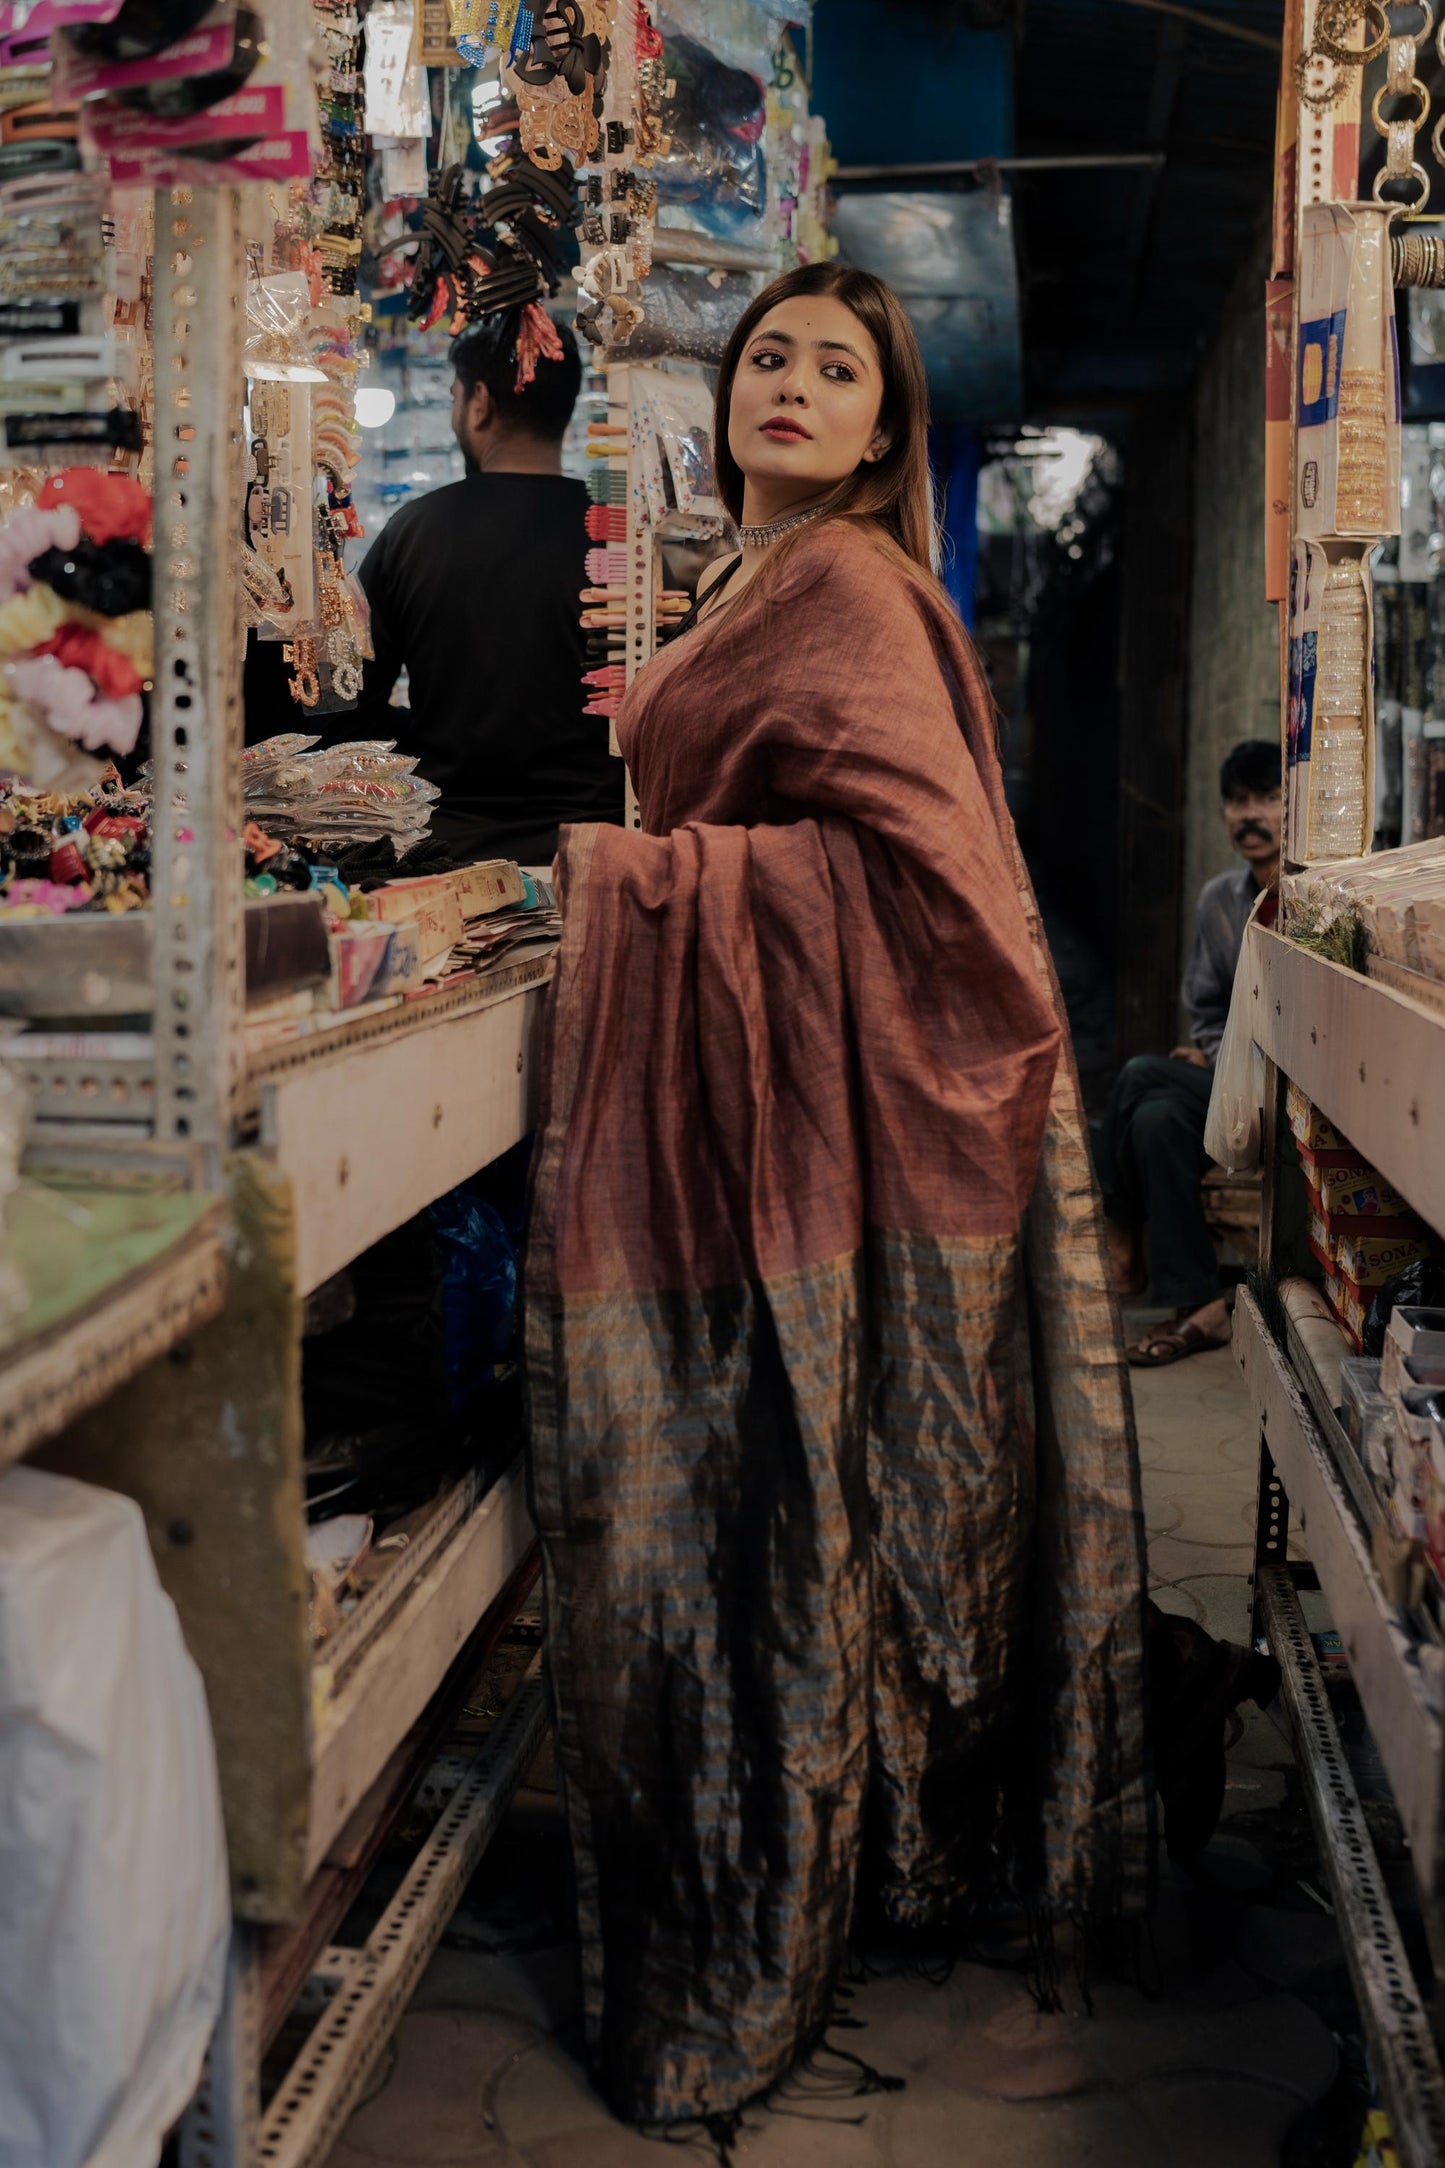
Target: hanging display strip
{"type": "Point", "coordinates": [196, 711]}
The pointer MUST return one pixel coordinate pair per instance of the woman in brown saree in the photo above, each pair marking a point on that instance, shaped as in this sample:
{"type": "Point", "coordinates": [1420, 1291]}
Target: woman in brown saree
{"type": "Point", "coordinates": [833, 1463]}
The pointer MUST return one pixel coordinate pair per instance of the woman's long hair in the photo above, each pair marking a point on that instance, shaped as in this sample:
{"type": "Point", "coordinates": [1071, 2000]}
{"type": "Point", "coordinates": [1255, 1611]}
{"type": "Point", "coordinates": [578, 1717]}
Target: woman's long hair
{"type": "Point", "coordinates": [895, 492]}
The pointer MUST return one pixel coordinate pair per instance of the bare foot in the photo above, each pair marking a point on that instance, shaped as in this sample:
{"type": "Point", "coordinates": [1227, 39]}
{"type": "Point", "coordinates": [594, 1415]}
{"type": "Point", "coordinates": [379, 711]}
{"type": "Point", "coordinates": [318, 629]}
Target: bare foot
{"type": "Point", "coordinates": [1212, 1320]}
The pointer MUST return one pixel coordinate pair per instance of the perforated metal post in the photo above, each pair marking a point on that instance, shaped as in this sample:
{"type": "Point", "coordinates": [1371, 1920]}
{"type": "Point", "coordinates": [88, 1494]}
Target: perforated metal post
{"type": "Point", "coordinates": [198, 315]}
{"type": "Point", "coordinates": [221, 2127]}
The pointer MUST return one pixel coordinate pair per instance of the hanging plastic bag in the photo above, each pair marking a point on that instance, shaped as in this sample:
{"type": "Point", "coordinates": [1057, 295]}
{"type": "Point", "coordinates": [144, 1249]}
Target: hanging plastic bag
{"type": "Point", "coordinates": [479, 1291]}
{"type": "Point", "coordinates": [114, 1905]}
{"type": "Point", "coordinates": [1236, 1100]}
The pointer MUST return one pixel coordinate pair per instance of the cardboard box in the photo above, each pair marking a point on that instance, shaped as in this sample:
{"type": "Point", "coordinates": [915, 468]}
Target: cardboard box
{"type": "Point", "coordinates": [1347, 480]}
{"type": "Point", "coordinates": [1414, 1350]}
{"type": "Point", "coordinates": [1357, 1192]}
{"type": "Point", "coordinates": [403, 899]}
{"type": "Point", "coordinates": [1369, 1259]}
{"type": "Point", "coordinates": [401, 967]}
{"type": "Point", "coordinates": [358, 950]}
{"type": "Point", "coordinates": [1309, 1125]}
{"type": "Point", "coordinates": [432, 906]}
{"type": "Point", "coordinates": [494, 884]}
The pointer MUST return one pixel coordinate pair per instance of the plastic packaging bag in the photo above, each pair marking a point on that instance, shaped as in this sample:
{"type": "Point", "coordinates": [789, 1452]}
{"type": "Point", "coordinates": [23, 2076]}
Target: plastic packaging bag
{"type": "Point", "coordinates": [687, 314]}
{"type": "Point", "coordinates": [114, 1904]}
{"type": "Point", "coordinates": [479, 1291]}
{"type": "Point", "coordinates": [714, 162]}
{"type": "Point", "coordinates": [1236, 1099]}
{"type": "Point", "coordinates": [744, 33]}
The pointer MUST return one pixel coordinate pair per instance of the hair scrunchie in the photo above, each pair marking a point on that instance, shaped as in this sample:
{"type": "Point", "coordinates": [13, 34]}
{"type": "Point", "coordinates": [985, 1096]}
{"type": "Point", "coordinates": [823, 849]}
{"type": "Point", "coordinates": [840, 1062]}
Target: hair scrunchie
{"type": "Point", "coordinates": [111, 578]}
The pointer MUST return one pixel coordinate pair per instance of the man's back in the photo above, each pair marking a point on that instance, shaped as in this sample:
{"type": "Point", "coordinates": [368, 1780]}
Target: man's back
{"type": "Point", "coordinates": [475, 591]}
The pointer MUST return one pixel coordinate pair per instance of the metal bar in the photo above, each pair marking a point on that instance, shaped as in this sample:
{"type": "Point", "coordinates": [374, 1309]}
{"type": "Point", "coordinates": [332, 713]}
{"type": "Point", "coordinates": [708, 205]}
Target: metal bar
{"type": "Point", "coordinates": [1403, 2053]}
{"type": "Point", "coordinates": [196, 707]}
{"type": "Point", "coordinates": [311, 2105]}
{"type": "Point", "coordinates": [1203, 21]}
{"type": "Point", "coordinates": [1063, 162]}
{"type": "Point", "coordinates": [221, 2127]}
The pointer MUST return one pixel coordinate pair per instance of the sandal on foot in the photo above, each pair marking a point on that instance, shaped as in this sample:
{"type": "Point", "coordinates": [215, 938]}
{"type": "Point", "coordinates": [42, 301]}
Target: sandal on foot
{"type": "Point", "coordinates": [1170, 1344]}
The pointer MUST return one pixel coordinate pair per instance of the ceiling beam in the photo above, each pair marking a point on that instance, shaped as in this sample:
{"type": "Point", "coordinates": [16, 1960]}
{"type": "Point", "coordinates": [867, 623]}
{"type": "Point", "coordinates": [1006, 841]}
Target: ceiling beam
{"type": "Point", "coordinates": [1203, 21]}
{"type": "Point", "coordinates": [1054, 162]}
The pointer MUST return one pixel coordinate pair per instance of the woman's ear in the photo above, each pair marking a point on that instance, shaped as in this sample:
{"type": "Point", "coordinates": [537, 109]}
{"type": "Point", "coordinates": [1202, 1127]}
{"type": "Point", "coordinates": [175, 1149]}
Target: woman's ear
{"type": "Point", "coordinates": [877, 448]}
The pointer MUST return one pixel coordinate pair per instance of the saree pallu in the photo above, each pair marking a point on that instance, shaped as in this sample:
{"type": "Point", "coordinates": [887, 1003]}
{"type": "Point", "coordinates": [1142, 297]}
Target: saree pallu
{"type": "Point", "coordinates": [832, 1458]}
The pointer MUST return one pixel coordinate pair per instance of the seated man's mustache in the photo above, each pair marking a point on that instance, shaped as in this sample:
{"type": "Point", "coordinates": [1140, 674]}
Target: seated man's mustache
{"type": "Point", "coordinates": [1245, 829]}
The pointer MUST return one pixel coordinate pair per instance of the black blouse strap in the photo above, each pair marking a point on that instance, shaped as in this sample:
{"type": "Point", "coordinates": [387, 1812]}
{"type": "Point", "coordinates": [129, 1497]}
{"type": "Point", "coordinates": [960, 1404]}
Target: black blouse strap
{"type": "Point", "coordinates": [686, 624]}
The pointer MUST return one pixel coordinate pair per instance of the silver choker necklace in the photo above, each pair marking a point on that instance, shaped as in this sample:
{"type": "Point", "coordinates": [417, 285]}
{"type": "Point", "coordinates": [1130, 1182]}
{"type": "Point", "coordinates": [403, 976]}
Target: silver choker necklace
{"type": "Point", "coordinates": [758, 538]}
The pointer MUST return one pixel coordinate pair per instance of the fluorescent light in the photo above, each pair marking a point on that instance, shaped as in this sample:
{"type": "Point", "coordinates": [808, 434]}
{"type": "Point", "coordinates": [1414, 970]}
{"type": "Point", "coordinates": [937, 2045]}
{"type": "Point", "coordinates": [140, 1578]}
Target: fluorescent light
{"type": "Point", "coordinates": [375, 406]}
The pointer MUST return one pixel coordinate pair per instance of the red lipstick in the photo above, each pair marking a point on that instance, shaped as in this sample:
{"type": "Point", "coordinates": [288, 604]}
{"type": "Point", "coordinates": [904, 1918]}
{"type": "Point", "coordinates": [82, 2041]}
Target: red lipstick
{"type": "Point", "coordinates": [786, 430]}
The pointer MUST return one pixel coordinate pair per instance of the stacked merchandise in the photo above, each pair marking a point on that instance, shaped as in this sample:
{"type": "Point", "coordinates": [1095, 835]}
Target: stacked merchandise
{"type": "Point", "coordinates": [1394, 1415]}
{"type": "Point", "coordinates": [352, 793]}
{"type": "Point", "coordinates": [1361, 1230]}
{"type": "Point", "coordinates": [1346, 499]}
{"type": "Point", "coordinates": [1384, 913]}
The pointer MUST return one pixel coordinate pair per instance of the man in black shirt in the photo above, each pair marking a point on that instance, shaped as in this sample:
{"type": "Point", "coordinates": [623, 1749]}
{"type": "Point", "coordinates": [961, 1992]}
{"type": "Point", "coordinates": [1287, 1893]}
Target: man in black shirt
{"type": "Point", "coordinates": [475, 591]}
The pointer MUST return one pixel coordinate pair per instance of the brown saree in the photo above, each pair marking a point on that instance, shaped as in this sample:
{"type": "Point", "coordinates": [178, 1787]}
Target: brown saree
{"type": "Point", "coordinates": [844, 1584]}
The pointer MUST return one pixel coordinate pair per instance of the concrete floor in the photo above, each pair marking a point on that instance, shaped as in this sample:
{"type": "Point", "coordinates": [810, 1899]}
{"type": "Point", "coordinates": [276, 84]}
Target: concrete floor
{"type": "Point", "coordinates": [1212, 2072]}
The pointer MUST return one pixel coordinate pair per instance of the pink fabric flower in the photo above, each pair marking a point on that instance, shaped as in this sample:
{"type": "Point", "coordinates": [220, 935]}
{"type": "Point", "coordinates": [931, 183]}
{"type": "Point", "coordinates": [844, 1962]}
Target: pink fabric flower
{"type": "Point", "coordinates": [27, 534]}
{"type": "Point", "coordinates": [70, 704]}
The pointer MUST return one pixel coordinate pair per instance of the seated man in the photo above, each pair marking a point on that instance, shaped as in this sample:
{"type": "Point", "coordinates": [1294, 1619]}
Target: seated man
{"type": "Point", "coordinates": [1151, 1143]}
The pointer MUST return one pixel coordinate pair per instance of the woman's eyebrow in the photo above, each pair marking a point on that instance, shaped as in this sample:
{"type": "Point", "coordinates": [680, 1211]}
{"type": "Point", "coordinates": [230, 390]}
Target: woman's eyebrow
{"type": "Point", "coordinates": [824, 346]}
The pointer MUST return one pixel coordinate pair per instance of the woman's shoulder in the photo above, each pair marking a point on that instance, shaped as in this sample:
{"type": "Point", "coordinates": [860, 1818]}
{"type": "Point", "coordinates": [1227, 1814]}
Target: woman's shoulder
{"type": "Point", "coordinates": [850, 569]}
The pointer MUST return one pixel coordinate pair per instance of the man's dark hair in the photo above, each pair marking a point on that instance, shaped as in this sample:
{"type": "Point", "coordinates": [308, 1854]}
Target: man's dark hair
{"type": "Point", "coordinates": [1251, 770]}
{"type": "Point", "coordinates": [487, 354]}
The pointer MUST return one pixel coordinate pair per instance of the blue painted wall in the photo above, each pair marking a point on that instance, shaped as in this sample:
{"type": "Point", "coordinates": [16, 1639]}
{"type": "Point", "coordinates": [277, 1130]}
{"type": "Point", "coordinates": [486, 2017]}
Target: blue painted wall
{"type": "Point", "coordinates": [895, 89]}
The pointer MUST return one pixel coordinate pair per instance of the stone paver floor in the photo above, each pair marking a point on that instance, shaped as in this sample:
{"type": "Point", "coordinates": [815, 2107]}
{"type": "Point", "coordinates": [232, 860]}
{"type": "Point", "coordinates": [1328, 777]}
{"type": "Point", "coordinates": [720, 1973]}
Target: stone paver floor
{"type": "Point", "coordinates": [1212, 2071]}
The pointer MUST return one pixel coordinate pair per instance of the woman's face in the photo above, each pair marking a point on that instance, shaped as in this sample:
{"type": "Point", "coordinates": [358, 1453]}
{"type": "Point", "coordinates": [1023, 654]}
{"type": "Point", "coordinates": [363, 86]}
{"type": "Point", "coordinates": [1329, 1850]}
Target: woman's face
{"type": "Point", "coordinates": [805, 404]}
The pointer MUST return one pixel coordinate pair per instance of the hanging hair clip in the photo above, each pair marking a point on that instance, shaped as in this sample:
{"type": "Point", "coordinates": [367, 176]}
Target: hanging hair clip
{"type": "Point", "coordinates": [537, 339]}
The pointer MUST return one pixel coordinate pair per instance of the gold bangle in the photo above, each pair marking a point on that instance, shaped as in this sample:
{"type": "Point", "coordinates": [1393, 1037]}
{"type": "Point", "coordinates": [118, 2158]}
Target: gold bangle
{"type": "Point", "coordinates": [1417, 171]}
{"type": "Point", "coordinates": [1352, 56]}
{"type": "Point", "coordinates": [1419, 91]}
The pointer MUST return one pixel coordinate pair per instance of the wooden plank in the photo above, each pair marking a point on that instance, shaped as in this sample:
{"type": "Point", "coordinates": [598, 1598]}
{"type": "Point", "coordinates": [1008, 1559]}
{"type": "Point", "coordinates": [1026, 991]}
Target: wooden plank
{"type": "Point", "coordinates": [71, 1369]}
{"type": "Point", "coordinates": [289, 1954]}
{"type": "Point", "coordinates": [210, 1447]}
{"type": "Point", "coordinates": [333, 1126]}
{"type": "Point", "coordinates": [1385, 1661]}
{"type": "Point", "coordinates": [360, 1725]}
{"type": "Point", "coordinates": [1370, 1058]}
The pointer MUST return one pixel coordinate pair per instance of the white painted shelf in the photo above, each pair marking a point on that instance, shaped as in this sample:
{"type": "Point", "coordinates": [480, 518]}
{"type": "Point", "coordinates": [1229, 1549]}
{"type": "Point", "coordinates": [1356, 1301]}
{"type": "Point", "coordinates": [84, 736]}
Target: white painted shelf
{"type": "Point", "coordinates": [1388, 1664]}
{"type": "Point", "coordinates": [375, 1120]}
{"type": "Point", "coordinates": [1371, 1058]}
{"type": "Point", "coordinates": [372, 1684]}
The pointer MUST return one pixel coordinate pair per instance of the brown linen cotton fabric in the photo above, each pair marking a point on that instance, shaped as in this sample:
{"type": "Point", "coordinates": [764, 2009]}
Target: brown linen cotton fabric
{"type": "Point", "coordinates": [844, 1587]}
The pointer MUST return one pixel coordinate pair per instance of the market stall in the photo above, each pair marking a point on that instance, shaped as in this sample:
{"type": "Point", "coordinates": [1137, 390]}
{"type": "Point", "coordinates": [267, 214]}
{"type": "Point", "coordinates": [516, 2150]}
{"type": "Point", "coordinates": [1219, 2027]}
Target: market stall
{"type": "Point", "coordinates": [1345, 1002]}
{"type": "Point", "coordinates": [254, 1023]}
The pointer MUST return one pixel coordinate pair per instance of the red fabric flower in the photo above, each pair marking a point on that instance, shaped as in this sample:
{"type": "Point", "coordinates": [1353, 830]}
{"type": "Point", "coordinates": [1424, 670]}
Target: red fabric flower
{"type": "Point", "coordinates": [112, 507]}
{"type": "Point", "coordinates": [81, 647]}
